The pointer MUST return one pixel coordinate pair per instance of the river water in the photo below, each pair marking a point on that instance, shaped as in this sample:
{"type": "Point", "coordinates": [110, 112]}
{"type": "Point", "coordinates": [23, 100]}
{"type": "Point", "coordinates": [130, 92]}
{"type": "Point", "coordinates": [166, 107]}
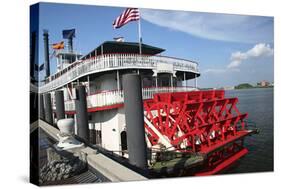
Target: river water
{"type": "Point", "coordinates": [259, 105]}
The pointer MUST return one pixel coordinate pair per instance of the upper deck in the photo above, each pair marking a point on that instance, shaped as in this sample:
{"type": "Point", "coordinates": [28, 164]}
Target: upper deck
{"type": "Point", "coordinates": [108, 62]}
{"type": "Point", "coordinates": [111, 56]}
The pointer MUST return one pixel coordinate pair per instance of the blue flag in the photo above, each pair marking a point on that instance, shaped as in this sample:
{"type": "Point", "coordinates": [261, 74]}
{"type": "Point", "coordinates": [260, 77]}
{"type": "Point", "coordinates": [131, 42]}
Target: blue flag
{"type": "Point", "coordinates": [68, 33]}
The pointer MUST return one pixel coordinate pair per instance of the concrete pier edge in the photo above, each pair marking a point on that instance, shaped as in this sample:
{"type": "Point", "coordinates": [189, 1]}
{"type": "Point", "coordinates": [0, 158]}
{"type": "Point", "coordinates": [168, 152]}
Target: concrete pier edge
{"type": "Point", "coordinates": [109, 168]}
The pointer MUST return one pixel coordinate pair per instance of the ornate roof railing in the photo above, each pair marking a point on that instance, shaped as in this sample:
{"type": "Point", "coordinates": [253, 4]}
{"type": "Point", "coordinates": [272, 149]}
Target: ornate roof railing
{"type": "Point", "coordinates": [108, 62]}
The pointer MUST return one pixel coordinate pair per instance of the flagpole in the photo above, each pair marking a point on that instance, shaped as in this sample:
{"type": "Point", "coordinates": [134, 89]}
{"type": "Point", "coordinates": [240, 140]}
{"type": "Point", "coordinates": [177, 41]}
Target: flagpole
{"type": "Point", "coordinates": [140, 39]}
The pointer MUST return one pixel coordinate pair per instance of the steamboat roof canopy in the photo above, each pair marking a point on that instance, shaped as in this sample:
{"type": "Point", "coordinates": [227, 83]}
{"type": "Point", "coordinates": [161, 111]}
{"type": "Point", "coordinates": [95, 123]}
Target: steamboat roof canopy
{"type": "Point", "coordinates": [108, 47]}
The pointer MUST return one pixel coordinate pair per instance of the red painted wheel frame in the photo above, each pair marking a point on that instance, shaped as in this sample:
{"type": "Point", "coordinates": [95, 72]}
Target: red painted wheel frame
{"type": "Point", "coordinates": [199, 122]}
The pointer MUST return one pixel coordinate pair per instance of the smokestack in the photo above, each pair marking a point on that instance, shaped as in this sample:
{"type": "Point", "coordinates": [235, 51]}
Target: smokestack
{"type": "Point", "coordinates": [32, 54]}
{"type": "Point", "coordinates": [46, 48]}
{"type": "Point", "coordinates": [69, 34]}
{"type": "Point", "coordinates": [70, 44]}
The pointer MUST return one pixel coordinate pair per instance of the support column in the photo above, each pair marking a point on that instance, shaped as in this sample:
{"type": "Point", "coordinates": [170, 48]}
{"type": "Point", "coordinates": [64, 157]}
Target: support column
{"type": "Point", "coordinates": [184, 79]}
{"type": "Point", "coordinates": [48, 108]}
{"type": "Point", "coordinates": [89, 91]}
{"type": "Point", "coordinates": [41, 107]}
{"type": "Point", "coordinates": [195, 81]}
{"type": "Point", "coordinates": [133, 104]}
{"type": "Point", "coordinates": [118, 80]}
{"type": "Point", "coordinates": [92, 134]}
{"type": "Point", "coordinates": [75, 125]}
{"type": "Point", "coordinates": [71, 86]}
{"type": "Point", "coordinates": [172, 82]}
{"type": "Point", "coordinates": [81, 113]}
{"type": "Point", "coordinates": [60, 110]}
{"type": "Point", "coordinates": [46, 49]}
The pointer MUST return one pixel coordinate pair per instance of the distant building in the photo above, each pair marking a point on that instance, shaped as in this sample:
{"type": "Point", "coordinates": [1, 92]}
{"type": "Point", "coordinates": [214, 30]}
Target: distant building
{"type": "Point", "coordinates": [263, 83]}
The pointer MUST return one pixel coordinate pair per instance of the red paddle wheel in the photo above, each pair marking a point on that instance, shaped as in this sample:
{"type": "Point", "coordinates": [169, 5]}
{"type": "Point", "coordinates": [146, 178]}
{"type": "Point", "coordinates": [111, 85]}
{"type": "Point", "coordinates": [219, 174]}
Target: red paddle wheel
{"type": "Point", "coordinates": [202, 122]}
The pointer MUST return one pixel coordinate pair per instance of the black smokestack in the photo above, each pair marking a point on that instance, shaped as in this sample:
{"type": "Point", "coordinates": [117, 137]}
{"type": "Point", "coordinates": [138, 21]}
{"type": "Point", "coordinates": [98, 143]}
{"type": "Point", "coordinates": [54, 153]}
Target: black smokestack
{"type": "Point", "coordinates": [46, 48]}
{"type": "Point", "coordinates": [69, 35]}
{"type": "Point", "coordinates": [32, 54]}
{"type": "Point", "coordinates": [70, 44]}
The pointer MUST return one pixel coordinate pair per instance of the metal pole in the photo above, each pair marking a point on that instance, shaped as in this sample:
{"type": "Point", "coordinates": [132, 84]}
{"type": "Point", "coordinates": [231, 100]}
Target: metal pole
{"type": "Point", "coordinates": [60, 59]}
{"type": "Point", "coordinates": [41, 107]}
{"type": "Point", "coordinates": [75, 125]}
{"type": "Point", "coordinates": [172, 84]}
{"type": "Point", "coordinates": [48, 108]}
{"type": "Point", "coordinates": [32, 55]}
{"type": "Point", "coordinates": [118, 80]}
{"type": "Point", "coordinates": [58, 63]}
{"type": "Point", "coordinates": [184, 79]}
{"type": "Point", "coordinates": [195, 81]}
{"type": "Point", "coordinates": [46, 48]}
{"type": "Point", "coordinates": [133, 104]}
{"type": "Point", "coordinates": [92, 134]}
{"type": "Point", "coordinates": [140, 38]}
{"type": "Point", "coordinates": [60, 110]}
{"type": "Point", "coordinates": [81, 113]}
{"type": "Point", "coordinates": [88, 77]}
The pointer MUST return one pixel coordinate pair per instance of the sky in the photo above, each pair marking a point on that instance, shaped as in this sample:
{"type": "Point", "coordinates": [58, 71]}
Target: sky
{"type": "Point", "coordinates": [230, 49]}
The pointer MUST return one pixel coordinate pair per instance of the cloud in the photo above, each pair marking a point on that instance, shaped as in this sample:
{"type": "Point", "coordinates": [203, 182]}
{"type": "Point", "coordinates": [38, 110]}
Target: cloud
{"type": "Point", "coordinates": [223, 27]}
{"type": "Point", "coordinates": [213, 70]}
{"type": "Point", "coordinates": [220, 71]}
{"type": "Point", "coordinates": [259, 50]}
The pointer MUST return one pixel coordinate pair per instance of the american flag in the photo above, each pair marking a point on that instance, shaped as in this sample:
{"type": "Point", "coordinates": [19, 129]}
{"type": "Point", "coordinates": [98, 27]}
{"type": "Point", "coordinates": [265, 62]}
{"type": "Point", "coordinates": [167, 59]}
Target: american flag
{"type": "Point", "coordinates": [130, 14]}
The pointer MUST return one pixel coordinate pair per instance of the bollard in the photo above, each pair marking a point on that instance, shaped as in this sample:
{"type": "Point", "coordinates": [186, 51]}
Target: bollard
{"type": "Point", "coordinates": [60, 111]}
{"type": "Point", "coordinates": [48, 108]}
{"type": "Point", "coordinates": [41, 107]}
{"type": "Point", "coordinates": [134, 120]}
{"type": "Point", "coordinates": [81, 113]}
{"type": "Point", "coordinates": [92, 133]}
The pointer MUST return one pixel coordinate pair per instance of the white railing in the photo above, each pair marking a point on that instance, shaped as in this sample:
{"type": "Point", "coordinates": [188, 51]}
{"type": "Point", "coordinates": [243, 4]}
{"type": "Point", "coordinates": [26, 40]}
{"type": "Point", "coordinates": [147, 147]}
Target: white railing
{"type": "Point", "coordinates": [105, 99]}
{"type": "Point", "coordinates": [69, 105]}
{"type": "Point", "coordinates": [117, 97]}
{"type": "Point", "coordinates": [111, 62]}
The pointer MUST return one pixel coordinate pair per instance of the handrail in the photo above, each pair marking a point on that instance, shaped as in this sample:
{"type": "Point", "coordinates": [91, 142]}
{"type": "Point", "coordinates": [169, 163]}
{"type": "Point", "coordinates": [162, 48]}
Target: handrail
{"type": "Point", "coordinates": [81, 61]}
{"type": "Point", "coordinates": [110, 62]}
{"type": "Point", "coordinates": [117, 96]}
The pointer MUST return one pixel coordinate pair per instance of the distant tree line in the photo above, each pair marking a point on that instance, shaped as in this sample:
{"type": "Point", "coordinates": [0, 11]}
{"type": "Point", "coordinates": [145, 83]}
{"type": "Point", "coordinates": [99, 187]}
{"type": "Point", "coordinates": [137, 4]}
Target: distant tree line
{"type": "Point", "coordinates": [244, 86]}
{"type": "Point", "coordinates": [249, 86]}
